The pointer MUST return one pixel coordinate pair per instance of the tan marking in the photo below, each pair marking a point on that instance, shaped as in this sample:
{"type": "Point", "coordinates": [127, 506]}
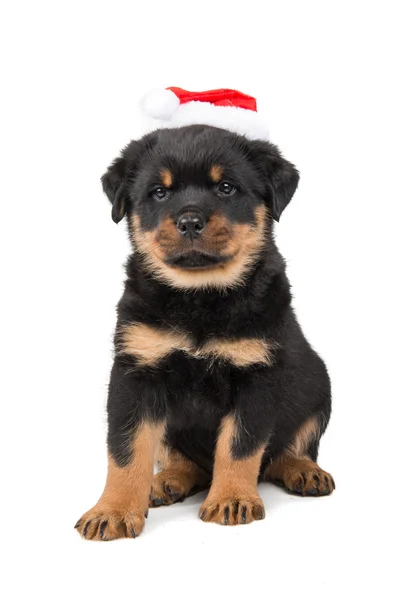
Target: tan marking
{"type": "Point", "coordinates": [309, 431]}
{"type": "Point", "coordinates": [167, 238]}
{"type": "Point", "coordinates": [166, 178]}
{"type": "Point", "coordinates": [234, 483]}
{"type": "Point", "coordinates": [217, 234]}
{"type": "Point", "coordinates": [149, 345]}
{"type": "Point", "coordinates": [301, 475]}
{"type": "Point", "coordinates": [241, 353]}
{"type": "Point", "coordinates": [125, 498]}
{"type": "Point", "coordinates": [243, 249]}
{"type": "Point", "coordinates": [177, 477]}
{"type": "Point", "coordinates": [216, 173]}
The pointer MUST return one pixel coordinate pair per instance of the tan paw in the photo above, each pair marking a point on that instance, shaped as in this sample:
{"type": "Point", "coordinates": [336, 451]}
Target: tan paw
{"type": "Point", "coordinates": [309, 481]}
{"type": "Point", "coordinates": [105, 522]}
{"type": "Point", "coordinates": [169, 486]}
{"type": "Point", "coordinates": [232, 509]}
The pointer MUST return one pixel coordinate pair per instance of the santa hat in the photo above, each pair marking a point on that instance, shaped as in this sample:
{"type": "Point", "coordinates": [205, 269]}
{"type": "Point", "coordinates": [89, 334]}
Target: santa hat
{"type": "Point", "coordinates": [228, 109]}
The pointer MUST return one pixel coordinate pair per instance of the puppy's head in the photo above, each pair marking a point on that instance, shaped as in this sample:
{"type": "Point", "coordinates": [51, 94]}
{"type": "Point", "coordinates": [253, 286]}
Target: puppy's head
{"type": "Point", "coordinates": [199, 202]}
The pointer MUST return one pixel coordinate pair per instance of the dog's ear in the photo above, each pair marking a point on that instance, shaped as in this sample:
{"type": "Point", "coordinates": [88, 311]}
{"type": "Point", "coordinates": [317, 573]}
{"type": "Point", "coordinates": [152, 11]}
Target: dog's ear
{"type": "Point", "coordinates": [114, 186]}
{"type": "Point", "coordinates": [117, 178]}
{"type": "Point", "coordinates": [281, 177]}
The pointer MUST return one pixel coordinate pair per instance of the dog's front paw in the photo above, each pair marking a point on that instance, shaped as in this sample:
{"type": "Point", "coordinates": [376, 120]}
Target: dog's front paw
{"type": "Point", "coordinates": [235, 509]}
{"type": "Point", "coordinates": [108, 522]}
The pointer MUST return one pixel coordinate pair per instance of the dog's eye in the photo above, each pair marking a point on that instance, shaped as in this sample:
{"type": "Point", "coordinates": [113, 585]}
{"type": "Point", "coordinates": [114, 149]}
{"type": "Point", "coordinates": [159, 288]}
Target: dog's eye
{"type": "Point", "coordinates": [159, 193]}
{"type": "Point", "coordinates": [226, 188]}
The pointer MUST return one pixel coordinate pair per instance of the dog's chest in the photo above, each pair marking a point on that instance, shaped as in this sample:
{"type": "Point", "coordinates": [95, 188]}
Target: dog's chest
{"type": "Point", "coordinates": [151, 346]}
{"type": "Point", "coordinates": [197, 391]}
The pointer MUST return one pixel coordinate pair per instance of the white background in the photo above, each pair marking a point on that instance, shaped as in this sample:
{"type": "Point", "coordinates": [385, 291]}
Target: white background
{"type": "Point", "coordinates": [326, 76]}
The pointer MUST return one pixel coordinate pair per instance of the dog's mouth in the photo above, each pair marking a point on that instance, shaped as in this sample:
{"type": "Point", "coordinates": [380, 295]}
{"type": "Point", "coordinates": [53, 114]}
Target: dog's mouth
{"type": "Point", "coordinates": [196, 260]}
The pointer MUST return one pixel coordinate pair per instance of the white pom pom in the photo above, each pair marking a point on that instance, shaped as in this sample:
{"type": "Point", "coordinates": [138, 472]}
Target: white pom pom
{"type": "Point", "coordinates": [160, 104]}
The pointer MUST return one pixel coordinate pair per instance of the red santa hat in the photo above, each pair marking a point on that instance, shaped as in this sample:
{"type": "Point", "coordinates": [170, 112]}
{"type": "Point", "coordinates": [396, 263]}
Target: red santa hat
{"type": "Point", "coordinates": [228, 109]}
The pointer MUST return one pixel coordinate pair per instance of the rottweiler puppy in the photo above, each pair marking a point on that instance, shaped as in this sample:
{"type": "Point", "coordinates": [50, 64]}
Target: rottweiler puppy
{"type": "Point", "coordinates": [213, 378]}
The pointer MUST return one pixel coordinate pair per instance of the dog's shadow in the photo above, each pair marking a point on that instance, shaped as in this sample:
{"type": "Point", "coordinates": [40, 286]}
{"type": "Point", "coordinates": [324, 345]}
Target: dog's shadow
{"type": "Point", "coordinates": [273, 496]}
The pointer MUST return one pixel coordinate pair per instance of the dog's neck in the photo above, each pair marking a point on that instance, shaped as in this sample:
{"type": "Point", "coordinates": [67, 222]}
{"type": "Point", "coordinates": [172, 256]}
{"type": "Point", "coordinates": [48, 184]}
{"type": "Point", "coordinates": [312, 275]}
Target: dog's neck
{"type": "Point", "coordinates": [265, 293]}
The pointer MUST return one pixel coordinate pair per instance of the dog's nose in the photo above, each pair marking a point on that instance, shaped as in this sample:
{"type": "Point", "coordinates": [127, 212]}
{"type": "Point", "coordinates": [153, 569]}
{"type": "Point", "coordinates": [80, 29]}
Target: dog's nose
{"type": "Point", "coordinates": [191, 224]}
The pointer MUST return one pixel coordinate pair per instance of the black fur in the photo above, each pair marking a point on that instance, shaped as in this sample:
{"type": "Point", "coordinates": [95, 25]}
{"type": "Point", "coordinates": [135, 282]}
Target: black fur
{"type": "Point", "coordinates": [269, 403]}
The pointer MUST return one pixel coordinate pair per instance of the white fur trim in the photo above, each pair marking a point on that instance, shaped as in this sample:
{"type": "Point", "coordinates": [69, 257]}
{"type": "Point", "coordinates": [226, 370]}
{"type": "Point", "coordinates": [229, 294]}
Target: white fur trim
{"type": "Point", "coordinates": [239, 120]}
{"type": "Point", "coordinates": [160, 104]}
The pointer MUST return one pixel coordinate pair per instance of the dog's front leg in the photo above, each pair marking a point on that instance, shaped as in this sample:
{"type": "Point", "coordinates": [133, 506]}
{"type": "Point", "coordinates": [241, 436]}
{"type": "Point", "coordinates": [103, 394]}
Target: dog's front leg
{"type": "Point", "coordinates": [233, 497]}
{"type": "Point", "coordinates": [136, 422]}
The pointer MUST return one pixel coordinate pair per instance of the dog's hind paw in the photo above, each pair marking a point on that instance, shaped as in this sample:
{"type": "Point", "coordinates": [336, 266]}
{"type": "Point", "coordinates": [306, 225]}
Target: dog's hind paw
{"type": "Point", "coordinates": [169, 486]}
